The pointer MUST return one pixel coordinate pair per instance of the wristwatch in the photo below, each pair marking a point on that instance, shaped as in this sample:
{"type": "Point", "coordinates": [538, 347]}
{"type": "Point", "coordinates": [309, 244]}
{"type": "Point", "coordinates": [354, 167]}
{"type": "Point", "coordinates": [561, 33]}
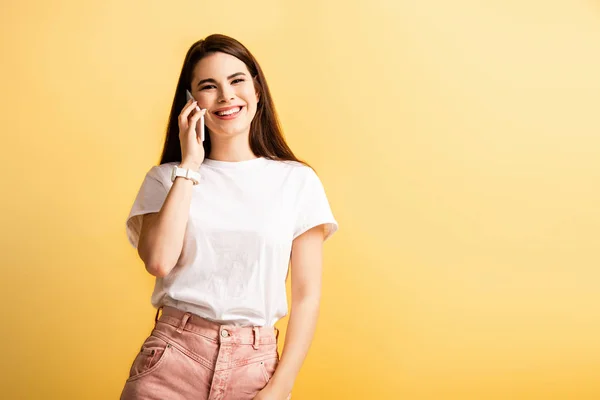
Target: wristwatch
{"type": "Point", "coordinates": [185, 173]}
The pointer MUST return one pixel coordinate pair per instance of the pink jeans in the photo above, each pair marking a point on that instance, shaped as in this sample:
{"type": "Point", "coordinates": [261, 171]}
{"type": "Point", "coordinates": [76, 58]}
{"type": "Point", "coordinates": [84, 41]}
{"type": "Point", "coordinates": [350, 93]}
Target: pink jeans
{"type": "Point", "coordinates": [189, 357]}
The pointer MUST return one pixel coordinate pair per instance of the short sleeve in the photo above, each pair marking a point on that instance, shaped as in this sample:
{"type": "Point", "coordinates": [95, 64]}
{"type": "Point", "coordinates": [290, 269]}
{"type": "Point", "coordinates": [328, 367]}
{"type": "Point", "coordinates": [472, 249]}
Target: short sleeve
{"type": "Point", "coordinates": [313, 207]}
{"type": "Point", "coordinates": [150, 198]}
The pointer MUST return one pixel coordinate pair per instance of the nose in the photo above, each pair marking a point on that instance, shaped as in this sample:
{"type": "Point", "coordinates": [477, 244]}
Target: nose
{"type": "Point", "coordinates": [225, 94]}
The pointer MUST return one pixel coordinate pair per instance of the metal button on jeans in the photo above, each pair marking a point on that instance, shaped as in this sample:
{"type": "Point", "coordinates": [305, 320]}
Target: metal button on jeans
{"type": "Point", "coordinates": [224, 333]}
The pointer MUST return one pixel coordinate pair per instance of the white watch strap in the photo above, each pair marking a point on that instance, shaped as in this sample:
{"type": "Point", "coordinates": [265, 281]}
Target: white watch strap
{"type": "Point", "coordinates": [185, 173]}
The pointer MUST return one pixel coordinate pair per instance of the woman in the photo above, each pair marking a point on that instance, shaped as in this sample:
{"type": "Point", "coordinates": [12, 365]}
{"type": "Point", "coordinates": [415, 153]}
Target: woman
{"type": "Point", "coordinates": [218, 223]}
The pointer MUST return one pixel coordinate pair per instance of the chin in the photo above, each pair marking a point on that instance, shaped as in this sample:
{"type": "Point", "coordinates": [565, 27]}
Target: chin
{"type": "Point", "coordinates": [232, 132]}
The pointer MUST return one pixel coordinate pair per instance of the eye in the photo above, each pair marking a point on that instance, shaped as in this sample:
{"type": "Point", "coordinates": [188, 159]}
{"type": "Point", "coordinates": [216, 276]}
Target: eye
{"type": "Point", "coordinates": [237, 80]}
{"type": "Point", "coordinates": [207, 87]}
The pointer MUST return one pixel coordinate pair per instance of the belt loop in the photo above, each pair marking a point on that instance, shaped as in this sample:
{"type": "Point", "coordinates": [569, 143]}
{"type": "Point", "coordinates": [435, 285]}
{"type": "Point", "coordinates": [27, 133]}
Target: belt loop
{"type": "Point", "coordinates": [186, 316]}
{"type": "Point", "coordinates": [256, 337]}
{"type": "Point", "coordinates": [156, 316]}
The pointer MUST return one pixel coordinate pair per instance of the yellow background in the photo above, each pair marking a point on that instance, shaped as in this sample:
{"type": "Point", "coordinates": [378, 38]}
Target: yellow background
{"type": "Point", "coordinates": [458, 142]}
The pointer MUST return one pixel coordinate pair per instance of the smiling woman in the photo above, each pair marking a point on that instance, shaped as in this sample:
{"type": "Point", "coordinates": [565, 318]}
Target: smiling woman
{"type": "Point", "coordinates": [217, 223]}
{"type": "Point", "coordinates": [222, 74]}
{"type": "Point", "coordinates": [238, 88]}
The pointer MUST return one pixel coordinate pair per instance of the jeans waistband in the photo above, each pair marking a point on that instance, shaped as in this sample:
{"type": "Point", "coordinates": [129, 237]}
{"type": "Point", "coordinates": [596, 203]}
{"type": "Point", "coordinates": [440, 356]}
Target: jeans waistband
{"type": "Point", "coordinates": [225, 334]}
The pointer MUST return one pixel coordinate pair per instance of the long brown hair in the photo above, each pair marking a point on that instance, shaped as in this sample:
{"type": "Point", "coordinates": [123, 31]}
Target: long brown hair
{"type": "Point", "coordinates": [266, 136]}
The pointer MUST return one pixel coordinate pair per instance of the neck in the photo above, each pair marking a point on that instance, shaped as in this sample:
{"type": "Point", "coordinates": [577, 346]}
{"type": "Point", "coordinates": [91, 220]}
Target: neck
{"type": "Point", "coordinates": [230, 149]}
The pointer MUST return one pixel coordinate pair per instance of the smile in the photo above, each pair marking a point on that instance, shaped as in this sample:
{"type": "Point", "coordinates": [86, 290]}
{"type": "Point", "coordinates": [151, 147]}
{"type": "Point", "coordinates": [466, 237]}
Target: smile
{"type": "Point", "coordinates": [228, 114]}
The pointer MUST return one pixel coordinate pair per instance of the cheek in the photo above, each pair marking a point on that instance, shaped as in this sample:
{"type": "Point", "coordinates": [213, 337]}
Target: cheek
{"type": "Point", "coordinates": [205, 100]}
{"type": "Point", "coordinates": [249, 95]}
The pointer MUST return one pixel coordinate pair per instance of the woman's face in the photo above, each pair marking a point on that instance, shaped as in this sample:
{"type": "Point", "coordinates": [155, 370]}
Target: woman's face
{"type": "Point", "coordinates": [223, 85]}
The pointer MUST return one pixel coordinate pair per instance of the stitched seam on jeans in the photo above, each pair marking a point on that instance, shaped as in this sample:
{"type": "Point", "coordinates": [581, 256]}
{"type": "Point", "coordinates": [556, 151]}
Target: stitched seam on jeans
{"type": "Point", "coordinates": [187, 330]}
{"type": "Point", "coordinates": [264, 371]}
{"type": "Point", "coordinates": [263, 340]}
{"type": "Point", "coordinates": [185, 351]}
{"type": "Point", "coordinates": [153, 368]}
{"type": "Point", "coordinates": [255, 360]}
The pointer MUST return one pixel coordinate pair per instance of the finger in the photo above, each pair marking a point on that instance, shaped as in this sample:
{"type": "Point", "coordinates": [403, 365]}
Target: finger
{"type": "Point", "coordinates": [196, 110]}
{"type": "Point", "coordinates": [187, 110]}
{"type": "Point", "coordinates": [195, 117]}
{"type": "Point", "coordinates": [197, 120]}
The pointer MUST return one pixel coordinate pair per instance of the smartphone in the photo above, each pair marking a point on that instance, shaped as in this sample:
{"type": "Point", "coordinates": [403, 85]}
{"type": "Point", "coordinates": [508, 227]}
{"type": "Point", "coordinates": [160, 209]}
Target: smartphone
{"type": "Point", "coordinates": [189, 96]}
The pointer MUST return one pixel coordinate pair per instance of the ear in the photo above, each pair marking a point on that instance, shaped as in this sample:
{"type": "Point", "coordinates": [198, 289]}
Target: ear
{"type": "Point", "coordinates": [257, 96]}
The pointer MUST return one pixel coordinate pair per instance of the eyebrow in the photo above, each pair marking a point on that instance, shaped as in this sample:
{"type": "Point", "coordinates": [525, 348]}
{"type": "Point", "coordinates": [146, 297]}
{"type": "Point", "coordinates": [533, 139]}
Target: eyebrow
{"type": "Point", "coordinates": [214, 81]}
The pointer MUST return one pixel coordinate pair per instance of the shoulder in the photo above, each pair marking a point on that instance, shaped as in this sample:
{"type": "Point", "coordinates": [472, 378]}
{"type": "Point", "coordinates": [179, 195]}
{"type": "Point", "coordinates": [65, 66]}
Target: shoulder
{"type": "Point", "coordinates": [298, 177]}
{"type": "Point", "coordinates": [295, 169]}
{"type": "Point", "coordinates": [166, 166]}
{"type": "Point", "coordinates": [162, 172]}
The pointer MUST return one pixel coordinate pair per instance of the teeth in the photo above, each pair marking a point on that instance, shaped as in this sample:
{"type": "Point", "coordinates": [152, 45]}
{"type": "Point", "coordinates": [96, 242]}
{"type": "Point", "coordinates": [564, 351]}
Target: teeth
{"type": "Point", "coordinates": [229, 112]}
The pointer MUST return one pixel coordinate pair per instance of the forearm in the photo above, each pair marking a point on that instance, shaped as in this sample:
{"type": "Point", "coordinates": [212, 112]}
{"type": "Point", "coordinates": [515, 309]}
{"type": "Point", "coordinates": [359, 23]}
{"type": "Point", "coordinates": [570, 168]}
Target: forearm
{"type": "Point", "coordinates": [300, 331]}
{"type": "Point", "coordinates": [166, 238]}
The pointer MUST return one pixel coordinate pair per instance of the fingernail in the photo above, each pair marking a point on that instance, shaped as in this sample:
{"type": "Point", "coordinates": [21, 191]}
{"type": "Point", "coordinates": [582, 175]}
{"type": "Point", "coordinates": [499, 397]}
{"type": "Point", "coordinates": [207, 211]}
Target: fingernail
{"type": "Point", "coordinates": [197, 108]}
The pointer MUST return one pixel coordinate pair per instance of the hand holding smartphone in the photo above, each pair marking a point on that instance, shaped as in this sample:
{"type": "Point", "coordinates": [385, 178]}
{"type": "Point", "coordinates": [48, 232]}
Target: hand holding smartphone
{"type": "Point", "coordinates": [190, 97]}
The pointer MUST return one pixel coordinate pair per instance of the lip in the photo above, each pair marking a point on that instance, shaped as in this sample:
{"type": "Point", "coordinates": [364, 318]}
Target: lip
{"type": "Point", "coordinates": [225, 109]}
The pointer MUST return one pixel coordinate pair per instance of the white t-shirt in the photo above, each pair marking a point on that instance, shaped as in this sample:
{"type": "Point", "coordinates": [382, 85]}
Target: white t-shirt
{"type": "Point", "coordinates": [238, 239]}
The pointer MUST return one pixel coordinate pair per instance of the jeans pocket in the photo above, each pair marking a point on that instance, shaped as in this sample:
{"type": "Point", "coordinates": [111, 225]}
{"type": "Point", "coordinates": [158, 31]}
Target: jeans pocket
{"type": "Point", "coordinates": [268, 368]}
{"type": "Point", "coordinates": [152, 354]}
